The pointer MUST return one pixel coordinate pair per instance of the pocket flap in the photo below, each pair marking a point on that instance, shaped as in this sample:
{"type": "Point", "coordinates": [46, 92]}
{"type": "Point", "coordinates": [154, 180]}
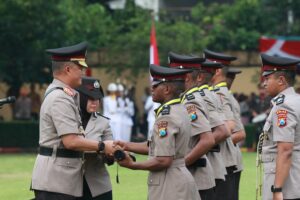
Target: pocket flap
{"type": "Point", "coordinates": [69, 162]}
{"type": "Point", "coordinates": [270, 168]}
{"type": "Point", "coordinates": [154, 178]}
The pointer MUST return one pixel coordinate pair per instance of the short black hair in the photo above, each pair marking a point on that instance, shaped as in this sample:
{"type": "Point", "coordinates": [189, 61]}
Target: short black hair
{"type": "Point", "coordinates": [177, 87]}
{"type": "Point", "coordinates": [290, 76]}
{"type": "Point", "coordinates": [58, 65]}
{"type": "Point", "coordinates": [225, 70]}
{"type": "Point", "coordinates": [195, 74]}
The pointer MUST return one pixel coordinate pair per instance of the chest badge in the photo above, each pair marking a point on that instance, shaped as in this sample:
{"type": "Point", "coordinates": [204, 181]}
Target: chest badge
{"type": "Point", "coordinates": [281, 118]}
{"type": "Point", "coordinates": [162, 129]}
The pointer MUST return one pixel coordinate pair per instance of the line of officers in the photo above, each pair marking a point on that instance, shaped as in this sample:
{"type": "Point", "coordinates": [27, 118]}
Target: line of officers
{"type": "Point", "coordinates": [192, 151]}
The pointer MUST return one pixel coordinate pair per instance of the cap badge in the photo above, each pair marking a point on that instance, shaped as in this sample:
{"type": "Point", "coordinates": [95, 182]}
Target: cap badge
{"type": "Point", "coordinates": [96, 84]}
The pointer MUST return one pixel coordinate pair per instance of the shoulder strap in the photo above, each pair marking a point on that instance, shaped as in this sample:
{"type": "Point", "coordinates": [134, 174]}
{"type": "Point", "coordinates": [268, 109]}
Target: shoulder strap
{"type": "Point", "coordinates": [51, 90]}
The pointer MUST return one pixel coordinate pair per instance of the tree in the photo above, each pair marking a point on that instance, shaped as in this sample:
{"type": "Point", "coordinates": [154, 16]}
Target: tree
{"type": "Point", "coordinates": [26, 29]}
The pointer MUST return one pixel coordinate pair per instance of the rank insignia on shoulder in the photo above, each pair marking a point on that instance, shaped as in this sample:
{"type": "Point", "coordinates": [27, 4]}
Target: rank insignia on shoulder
{"type": "Point", "coordinates": [162, 128]}
{"type": "Point", "coordinates": [201, 92]}
{"type": "Point", "coordinates": [166, 110]}
{"type": "Point", "coordinates": [281, 118]}
{"type": "Point", "coordinates": [189, 96]}
{"type": "Point", "coordinates": [280, 99]}
{"type": "Point", "coordinates": [216, 89]}
{"type": "Point", "coordinates": [192, 112]}
{"type": "Point", "coordinates": [69, 91]}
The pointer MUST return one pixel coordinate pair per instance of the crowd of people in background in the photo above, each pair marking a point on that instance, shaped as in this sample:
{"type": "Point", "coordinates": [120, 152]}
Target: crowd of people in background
{"type": "Point", "coordinates": [120, 105]}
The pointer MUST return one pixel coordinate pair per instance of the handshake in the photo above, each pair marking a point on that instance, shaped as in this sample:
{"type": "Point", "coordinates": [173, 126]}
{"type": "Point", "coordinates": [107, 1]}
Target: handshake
{"type": "Point", "coordinates": [115, 149]}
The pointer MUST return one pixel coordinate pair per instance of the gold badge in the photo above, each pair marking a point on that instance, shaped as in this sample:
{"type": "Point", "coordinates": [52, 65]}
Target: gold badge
{"type": "Point", "coordinates": [69, 91]}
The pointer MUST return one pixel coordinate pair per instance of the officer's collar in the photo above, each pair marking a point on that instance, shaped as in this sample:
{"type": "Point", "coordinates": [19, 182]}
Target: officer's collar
{"type": "Point", "coordinates": [166, 105]}
{"type": "Point", "coordinates": [205, 86]}
{"type": "Point", "coordinates": [221, 84]}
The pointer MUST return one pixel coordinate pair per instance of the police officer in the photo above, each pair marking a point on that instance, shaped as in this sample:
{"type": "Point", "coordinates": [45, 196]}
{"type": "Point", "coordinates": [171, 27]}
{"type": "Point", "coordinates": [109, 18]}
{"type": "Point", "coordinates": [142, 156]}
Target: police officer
{"type": "Point", "coordinates": [238, 133]}
{"type": "Point", "coordinates": [96, 180]}
{"type": "Point", "coordinates": [281, 146]}
{"type": "Point", "coordinates": [57, 172]}
{"type": "Point", "coordinates": [202, 139]}
{"type": "Point", "coordinates": [168, 177]}
{"type": "Point", "coordinates": [228, 150]}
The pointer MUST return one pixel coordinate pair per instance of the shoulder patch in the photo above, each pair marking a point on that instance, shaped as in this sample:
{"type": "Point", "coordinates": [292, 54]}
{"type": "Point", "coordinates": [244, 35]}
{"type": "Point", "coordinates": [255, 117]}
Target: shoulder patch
{"type": "Point", "coordinates": [281, 118]}
{"type": "Point", "coordinates": [189, 96]}
{"type": "Point", "coordinates": [99, 114]}
{"type": "Point", "coordinates": [69, 91]}
{"type": "Point", "coordinates": [166, 110]}
{"type": "Point", "coordinates": [280, 99]}
{"type": "Point", "coordinates": [202, 93]}
{"type": "Point", "coordinates": [191, 109]}
{"type": "Point", "coordinates": [162, 128]}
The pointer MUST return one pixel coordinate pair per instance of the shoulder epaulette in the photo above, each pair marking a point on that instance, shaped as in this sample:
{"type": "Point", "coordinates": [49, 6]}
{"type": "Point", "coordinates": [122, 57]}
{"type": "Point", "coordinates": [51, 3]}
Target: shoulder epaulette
{"type": "Point", "coordinates": [216, 89]}
{"type": "Point", "coordinates": [51, 90]}
{"type": "Point", "coordinates": [69, 91]}
{"type": "Point", "coordinates": [189, 96]}
{"type": "Point", "coordinates": [202, 93]}
{"type": "Point", "coordinates": [166, 110]}
{"type": "Point", "coordinates": [99, 114]}
{"type": "Point", "coordinates": [280, 99]}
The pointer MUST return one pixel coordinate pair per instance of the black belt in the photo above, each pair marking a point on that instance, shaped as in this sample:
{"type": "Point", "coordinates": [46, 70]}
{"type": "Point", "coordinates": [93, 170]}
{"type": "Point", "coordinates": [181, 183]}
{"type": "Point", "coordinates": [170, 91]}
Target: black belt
{"type": "Point", "coordinates": [64, 153]}
{"type": "Point", "coordinates": [230, 170]}
{"type": "Point", "coordinates": [201, 162]}
{"type": "Point", "coordinates": [215, 149]}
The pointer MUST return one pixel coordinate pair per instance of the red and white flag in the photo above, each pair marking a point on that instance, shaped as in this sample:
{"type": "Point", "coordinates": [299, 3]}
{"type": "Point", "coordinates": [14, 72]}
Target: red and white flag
{"type": "Point", "coordinates": [154, 58]}
{"type": "Point", "coordinates": [280, 46]}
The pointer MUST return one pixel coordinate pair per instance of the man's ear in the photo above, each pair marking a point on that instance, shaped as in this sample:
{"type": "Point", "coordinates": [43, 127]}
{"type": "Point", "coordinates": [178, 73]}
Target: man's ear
{"type": "Point", "coordinates": [200, 77]}
{"type": "Point", "coordinates": [218, 71]}
{"type": "Point", "coordinates": [67, 68]}
{"type": "Point", "coordinates": [281, 80]}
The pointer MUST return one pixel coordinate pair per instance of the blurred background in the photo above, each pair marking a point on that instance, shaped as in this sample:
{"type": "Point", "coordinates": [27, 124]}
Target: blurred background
{"type": "Point", "coordinates": [118, 32]}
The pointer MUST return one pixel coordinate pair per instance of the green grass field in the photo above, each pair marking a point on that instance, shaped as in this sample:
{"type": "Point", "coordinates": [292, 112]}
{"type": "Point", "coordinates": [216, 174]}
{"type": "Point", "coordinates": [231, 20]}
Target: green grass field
{"type": "Point", "coordinates": [15, 174]}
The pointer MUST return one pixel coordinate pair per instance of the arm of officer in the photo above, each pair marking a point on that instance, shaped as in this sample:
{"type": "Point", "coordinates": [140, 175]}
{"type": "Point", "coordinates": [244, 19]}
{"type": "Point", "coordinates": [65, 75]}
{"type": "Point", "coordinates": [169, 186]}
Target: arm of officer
{"type": "Point", "coordinates": [78, 143]}
{"type": "Point", "coordinates": [139, 148]}
{"type": "Point", "coordinates": [284, 129]}
{"type": "Point", "coordinates": [220, 133]}
{"type": "Point", "coordinates": [238, 136]}
{"type": "Point", "coordinates": [153, 164]}
{"type": "Point", "coordinates": [205, 143]}
{"type": "Point", "coordinates": [283, 162]}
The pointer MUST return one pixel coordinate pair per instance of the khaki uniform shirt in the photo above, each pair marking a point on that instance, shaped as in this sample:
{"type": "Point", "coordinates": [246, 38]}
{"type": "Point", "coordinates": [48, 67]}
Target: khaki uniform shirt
{"type": "Point", "coordinates": [282, 125]}
{"type": "Point", "coordinates": [193, 102]}
{"type": "Point", "coordinates": [238, 127]}
{"type": "Point", "coordinates": [227, 148]}
{"type": "Point", "coordinates": [171, 134]}
{"type": "Point", "coordinates": [95, 172]}
{"type": "Point", "coordinates": [215, 120]}
{"type": "Point", "coordinates": [59, 116]}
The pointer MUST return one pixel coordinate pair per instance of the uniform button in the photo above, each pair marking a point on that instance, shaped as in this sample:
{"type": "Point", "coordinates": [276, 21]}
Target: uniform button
{"type": "Point", "coordinates": [68, 162]}
{"type": "Point", "coordinates": [151, 181]}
